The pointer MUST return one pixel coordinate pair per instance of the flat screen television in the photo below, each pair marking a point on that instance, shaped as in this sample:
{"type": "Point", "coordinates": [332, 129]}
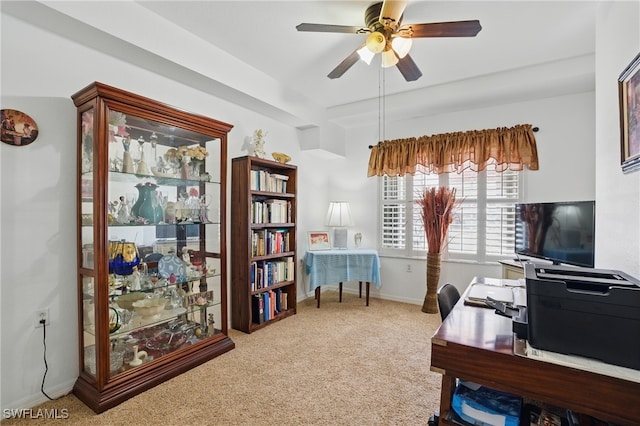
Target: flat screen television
{"type": "Point", "coordinates": [561, 232]}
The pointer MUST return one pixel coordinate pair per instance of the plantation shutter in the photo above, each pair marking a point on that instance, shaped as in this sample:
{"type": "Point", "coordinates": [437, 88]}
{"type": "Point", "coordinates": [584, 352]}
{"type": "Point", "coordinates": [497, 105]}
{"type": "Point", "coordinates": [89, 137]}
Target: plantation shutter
{"type": "Point", "coordinates": [394, 212]}
{"type": "Point", "coordinates": [502, 193]}
{"type": "Point", "coordinates": [463, 232]}
{"type": "Point", "coordinates": [483, 226]}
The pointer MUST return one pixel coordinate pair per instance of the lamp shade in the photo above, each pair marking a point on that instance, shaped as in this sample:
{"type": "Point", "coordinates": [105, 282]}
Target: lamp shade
{"type": "Point", "coordinates": [401, 45]}
{"type": "Point", "coordinates": [365, 54]}
{"type": "Point", "coordinates": [389, 58]}
{"type": "Point", "coordinates": [339, 214]}
{"type": "Point", "coordinates": [376, 42]}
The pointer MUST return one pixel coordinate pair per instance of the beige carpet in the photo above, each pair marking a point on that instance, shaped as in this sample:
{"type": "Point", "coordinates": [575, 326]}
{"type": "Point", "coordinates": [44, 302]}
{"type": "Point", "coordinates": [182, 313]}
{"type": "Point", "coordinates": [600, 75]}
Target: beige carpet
{"type": "Point", "coordinates": [342, 364]}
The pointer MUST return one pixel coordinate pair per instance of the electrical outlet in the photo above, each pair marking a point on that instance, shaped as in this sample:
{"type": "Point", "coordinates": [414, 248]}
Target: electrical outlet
{"type": "Point", "coordinates": [41, 315]}
{"type": "Point", "coordinates": [408, 267]}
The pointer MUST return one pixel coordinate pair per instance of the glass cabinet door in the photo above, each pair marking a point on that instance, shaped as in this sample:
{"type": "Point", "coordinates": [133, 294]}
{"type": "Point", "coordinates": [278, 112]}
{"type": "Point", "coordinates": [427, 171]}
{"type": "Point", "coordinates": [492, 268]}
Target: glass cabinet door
{"type": "Point", "coordinates": [152, 287]}
{"type": "Point", "coordinates": [163, 236]}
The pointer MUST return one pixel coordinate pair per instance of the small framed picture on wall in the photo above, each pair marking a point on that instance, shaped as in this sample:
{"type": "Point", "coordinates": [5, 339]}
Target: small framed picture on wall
{"type": "Point", "coordinates": [18, 128]}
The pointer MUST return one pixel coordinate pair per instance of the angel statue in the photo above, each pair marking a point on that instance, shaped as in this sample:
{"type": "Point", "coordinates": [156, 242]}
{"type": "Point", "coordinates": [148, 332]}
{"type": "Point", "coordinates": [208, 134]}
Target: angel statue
{"type": "Point", "coordinates": [258, 143]}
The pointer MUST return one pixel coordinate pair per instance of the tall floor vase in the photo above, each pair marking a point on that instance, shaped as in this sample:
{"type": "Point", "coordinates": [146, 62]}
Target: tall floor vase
{"type": "Point", "coordinates": [430, 305]}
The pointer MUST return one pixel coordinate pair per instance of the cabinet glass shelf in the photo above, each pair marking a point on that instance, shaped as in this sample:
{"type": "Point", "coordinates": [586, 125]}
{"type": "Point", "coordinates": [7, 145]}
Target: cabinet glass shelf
{"type": "Point", "coordinates": [138, 322]}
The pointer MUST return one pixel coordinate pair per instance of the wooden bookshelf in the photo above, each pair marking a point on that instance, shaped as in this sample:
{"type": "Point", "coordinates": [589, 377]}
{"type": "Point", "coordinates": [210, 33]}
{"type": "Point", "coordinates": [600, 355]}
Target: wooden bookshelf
{"type": "Point", "coordinates": [263, 242]}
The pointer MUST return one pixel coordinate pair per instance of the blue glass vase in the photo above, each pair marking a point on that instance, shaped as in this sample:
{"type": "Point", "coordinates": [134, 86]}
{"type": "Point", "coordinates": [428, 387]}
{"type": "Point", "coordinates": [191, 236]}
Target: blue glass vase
{"type": "Point", "coordinates": [123, 257]}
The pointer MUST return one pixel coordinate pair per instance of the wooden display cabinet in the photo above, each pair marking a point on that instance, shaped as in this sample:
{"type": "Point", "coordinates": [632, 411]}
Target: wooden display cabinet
{"type": "Point", "coordinates": [263, 242]}
{"type": "Point", "coordinates": [152, 286]}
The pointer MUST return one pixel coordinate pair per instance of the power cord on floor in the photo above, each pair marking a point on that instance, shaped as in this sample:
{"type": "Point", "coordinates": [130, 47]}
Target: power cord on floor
{"type": "Point", "coordinates": [46, 366]}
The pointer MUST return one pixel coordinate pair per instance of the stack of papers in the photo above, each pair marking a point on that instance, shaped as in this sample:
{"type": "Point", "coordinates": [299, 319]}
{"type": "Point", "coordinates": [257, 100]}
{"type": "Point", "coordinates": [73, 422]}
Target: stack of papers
{"type": "Point", "coordinates": [509, 292]}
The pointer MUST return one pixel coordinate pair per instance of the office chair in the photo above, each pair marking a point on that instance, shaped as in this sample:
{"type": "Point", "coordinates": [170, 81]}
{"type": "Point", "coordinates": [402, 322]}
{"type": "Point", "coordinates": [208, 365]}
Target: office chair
{"type": "Point", "coordinates": [448, 296]}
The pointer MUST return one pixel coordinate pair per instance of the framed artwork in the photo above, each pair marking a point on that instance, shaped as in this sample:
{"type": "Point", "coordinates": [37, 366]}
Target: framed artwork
{"type": "Point", "coordinates": [17, 128]}
{"type": "Point", "coordinates": [629, 99]}
{"type": "Point", "coordinates": [319, 240]}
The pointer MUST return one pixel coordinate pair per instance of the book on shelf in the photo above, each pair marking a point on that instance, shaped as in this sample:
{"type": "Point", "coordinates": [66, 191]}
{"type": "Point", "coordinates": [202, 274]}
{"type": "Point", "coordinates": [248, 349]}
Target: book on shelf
{"type": "Point", "coordinates": [264, 242]}
{"type": "Point", "coordinates": [261, 180]}
{"type": "Point", "coordinates": [272, 304]}
{"type": "Point", "coordinates": [268, 273]}
{"type": "Point", "coordinates": [257, 309]}
{"type": "Point", "coordinates": [267, 305]}
{"type": "Point", "coordinates": [270, 211]}
{"type": "Point", "coordinates": [278, 299]}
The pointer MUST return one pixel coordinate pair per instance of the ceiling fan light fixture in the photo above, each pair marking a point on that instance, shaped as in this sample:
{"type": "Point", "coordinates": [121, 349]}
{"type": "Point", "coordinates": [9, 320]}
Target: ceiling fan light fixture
{"type": "Point", "coordinates": [389, 58]}
{"type": "Point", "coordinates": [376, 42]}
{"type": "Point", "coordinates": [402, 46]}
{"type": "Point", "coordinates": [365, 54]}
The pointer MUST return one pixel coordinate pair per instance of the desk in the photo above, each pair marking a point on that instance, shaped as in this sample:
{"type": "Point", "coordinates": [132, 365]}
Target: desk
{"type": "Point", "coordinates": [511, 269]}
{"type": "Point", "coordinates": [475, 344]}
{"type": "Point", "coordinates": [337, 266]}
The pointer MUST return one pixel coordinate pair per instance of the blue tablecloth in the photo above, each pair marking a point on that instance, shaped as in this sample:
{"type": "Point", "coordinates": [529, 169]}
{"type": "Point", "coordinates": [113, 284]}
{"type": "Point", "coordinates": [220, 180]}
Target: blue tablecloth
{"type": "Point", "coordinates": [334, 266]}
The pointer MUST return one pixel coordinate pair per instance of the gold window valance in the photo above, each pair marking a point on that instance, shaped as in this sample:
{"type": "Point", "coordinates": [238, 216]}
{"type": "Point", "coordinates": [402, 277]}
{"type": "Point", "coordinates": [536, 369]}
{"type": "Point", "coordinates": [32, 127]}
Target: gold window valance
{"type": "Point", "coordinates": [508, 148]}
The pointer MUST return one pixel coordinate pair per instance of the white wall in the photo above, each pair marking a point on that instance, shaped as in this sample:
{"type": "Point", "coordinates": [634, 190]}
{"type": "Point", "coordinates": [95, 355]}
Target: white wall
{"type": "Point", "coordinates": [617, 194]}
{"type": "Point", "coordinates": [562, 176]}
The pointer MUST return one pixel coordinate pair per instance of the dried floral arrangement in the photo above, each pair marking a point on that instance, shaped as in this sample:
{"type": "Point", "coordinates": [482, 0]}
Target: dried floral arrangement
{"type": "Point", "coordinates": [195, 152]}
{"type": "Point", "coordinates": [437, 206]}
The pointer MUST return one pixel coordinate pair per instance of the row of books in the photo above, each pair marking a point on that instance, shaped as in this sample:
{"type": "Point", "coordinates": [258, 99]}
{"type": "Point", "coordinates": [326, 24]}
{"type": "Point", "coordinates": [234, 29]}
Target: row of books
{"type": "Point", "coordinates": [267, 273]}
{"type": "Point", "coordinates": [262, 180]}
{"type": "Point", "coordinates": [265, 306]}
{"type": "Point", "coordinates": [268, 241]}
{"type": "Point", "coordinates": [271, 211]}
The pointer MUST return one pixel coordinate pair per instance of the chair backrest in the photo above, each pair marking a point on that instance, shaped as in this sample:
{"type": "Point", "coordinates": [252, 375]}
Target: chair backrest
{"type": "Point", "coordinates": [448, 296]}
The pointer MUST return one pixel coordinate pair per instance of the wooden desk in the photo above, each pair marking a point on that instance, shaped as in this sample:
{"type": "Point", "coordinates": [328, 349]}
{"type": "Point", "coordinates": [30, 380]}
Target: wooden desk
{"type": "Point", "coordinates": [476, 344]}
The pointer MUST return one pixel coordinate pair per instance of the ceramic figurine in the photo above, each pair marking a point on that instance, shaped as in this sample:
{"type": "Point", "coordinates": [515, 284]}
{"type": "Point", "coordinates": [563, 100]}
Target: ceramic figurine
{"type": "Point", "coordinates": [127, 161]}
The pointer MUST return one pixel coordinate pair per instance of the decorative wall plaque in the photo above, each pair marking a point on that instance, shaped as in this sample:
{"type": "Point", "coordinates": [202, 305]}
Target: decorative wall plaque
{"type": "Point", "coordinates": [17, 128]}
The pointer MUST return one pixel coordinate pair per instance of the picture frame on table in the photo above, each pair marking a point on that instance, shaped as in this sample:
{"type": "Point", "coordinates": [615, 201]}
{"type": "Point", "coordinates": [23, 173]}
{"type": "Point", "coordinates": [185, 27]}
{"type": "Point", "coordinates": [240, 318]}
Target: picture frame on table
{"type": "Point", "coordinates": [629, 100]}
{"type": "Point", "coordinates": [319, 240]}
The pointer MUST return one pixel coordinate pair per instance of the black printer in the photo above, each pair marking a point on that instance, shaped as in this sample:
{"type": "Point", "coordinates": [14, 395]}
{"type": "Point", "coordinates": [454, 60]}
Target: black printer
{"type": "Point", "coordinates": [589, 312]}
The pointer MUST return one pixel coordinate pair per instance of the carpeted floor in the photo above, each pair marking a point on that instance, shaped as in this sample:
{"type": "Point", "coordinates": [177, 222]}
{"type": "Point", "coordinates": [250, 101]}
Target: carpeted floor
{"type": "Point", "coordinates": [342, 364]}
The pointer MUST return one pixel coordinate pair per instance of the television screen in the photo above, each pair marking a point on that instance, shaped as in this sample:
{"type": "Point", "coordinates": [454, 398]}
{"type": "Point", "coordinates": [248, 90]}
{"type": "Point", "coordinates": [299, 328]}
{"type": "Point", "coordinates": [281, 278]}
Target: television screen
{"type": "Point", "coordinates": [562, 232]}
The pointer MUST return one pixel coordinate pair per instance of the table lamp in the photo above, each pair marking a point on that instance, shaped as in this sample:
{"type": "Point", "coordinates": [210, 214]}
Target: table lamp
{"type": "Point", "coordinates": [339, 216]}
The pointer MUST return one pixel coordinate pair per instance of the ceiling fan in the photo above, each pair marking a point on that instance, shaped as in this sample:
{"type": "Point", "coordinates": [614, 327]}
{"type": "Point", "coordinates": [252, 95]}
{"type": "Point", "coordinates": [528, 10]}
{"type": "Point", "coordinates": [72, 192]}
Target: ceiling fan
{"type": "Point", "coordinates": [389, 37]}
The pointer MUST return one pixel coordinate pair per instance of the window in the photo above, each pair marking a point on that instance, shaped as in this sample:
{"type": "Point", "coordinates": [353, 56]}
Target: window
{"type": "Point", "coordinates": [484, 224]}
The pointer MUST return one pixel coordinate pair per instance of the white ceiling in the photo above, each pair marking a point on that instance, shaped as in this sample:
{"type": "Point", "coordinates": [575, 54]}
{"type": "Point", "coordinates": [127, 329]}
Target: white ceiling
{"type": "Point", "coordinates": [525, 49]}
{"type": "Point", "coordinates": [514, 34]}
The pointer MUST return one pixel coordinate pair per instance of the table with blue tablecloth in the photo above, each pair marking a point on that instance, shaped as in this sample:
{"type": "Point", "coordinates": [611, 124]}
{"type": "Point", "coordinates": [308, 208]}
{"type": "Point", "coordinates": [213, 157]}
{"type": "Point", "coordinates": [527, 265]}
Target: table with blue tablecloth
{"type": "Point", "coordinates": [338, 266]}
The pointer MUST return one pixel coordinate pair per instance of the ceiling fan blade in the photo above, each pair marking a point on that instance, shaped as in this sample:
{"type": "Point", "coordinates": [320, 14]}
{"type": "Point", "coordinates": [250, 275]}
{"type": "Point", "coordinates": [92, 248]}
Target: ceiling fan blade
{"type": "Point", "coordinates": [409, 69]}
{"type": "Point", "coordinates": [391, 12]}
{"type": "Point", "coordinates": [343, 66]}
{"type": "Point", "coordinates": [326, 28]}
{"type": "Point", "coordinates": [444, 29]}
